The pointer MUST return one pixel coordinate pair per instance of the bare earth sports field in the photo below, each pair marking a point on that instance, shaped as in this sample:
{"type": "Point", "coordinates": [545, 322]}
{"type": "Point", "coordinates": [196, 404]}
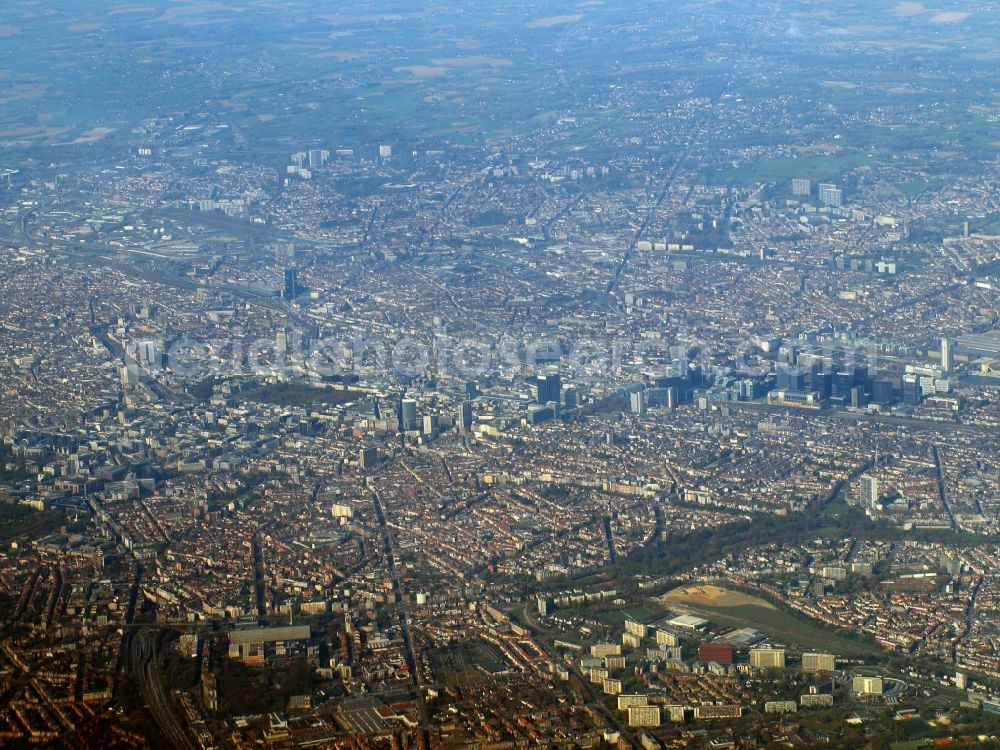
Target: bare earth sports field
{"type": "Point", "coordinates": [714, 596]}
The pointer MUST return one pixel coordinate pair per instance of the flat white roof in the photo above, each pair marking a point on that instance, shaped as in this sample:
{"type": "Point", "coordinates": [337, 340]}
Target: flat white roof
{"type": "Point", "coordinates": [688, 621]}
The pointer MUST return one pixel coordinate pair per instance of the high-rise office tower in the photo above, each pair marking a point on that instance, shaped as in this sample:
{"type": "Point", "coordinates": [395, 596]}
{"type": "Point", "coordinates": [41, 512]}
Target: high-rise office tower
{"type": "Point", "coordinates": [367, 457]}
{"type": "Point", "coordinates": [637, 402]}
{"type": "Point", "coordinates": [790, 378]}
{"type": "Point", "coordinates": [465, 416]}
{"type": "Point", "coordinates": [817, 662]}
{"type": "Point", "coordinates": [129, 374]}
{"type": "Point", "coordinates": [318, 157]}
{"type": "Point", "coordinates": [947, 357]}
{"type": "Point", "coordinates": [569, 397]}
{"type": "Point", "coordinates": [429, 424]}
{"type": "Point", "coordinates": [291, 287]}
{"type": "Point", "coordinates": [882, 391]}
{"type": "Point", "coordinates": [869, 491]}
{"type": "Point", "coordinates": [830, 195]}
{"type": "Point", "coordinates": [408, 414]}
{"type": "Point", "coordinates": [696, 378]}
{"type": "Point", "coordinates": [150, 353]}
{"type": "Point", "coordinates": [767, 658]}
{"type": "Point", "coordinates": [801, 186]}
{"type": "Point", "coordinates": [857, 396]}
{"type": "Point", "coordinates": [842, 382]}
{"type": "Point", "coordinates": [548, 387]}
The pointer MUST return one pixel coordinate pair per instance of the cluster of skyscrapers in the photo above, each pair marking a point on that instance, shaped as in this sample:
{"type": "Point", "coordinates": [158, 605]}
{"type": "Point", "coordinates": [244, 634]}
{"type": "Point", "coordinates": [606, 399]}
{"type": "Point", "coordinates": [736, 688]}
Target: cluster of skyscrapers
{"type": "Point", "coordinates": [829, 194]}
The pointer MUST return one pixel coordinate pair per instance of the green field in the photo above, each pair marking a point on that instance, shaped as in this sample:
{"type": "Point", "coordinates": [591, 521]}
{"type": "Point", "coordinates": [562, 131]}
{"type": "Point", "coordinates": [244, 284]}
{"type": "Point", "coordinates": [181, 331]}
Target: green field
{"type": "Point", "coordinates": [782, 625]}
{"type": "Point", "coordinates": [463, 662]}
{"type": "Point", "coordinates": [915, 187]}
{"type": "Point", "coordinates": [835, 509]}
{"type": "Point", "coordinates": [917, 585]}
{"type": "Point", "coordinates": [298, 394]}
{"type": "Point", "coordinates": [17, 521]}
{"type": "Point", "coordinates": [618, 616]}
{"type": "Point", "coordinates": [812, 167]}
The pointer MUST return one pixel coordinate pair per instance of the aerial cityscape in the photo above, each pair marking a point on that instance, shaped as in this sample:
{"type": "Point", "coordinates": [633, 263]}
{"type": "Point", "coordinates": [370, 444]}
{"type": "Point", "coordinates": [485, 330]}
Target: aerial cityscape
{"type": "Point", "coordinates": [499, 375]}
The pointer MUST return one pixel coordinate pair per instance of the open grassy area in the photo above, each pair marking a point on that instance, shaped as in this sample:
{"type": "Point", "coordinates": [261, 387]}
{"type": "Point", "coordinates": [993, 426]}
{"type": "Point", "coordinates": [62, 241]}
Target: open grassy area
{"type": "Point", "coordinates": [812, 167]}
{"type": "Point", "coordinates": [715, 596]}
{"type": "Point", "coordinates": [916, 187]}
{"type": "Point", "coordinates": [742, 610]}
{"type": "Point", "coordinates": [618, 616]}
{"type": "Point", "coordinates": [17, 521]}
{"type": "Point", "coordinates": [834, 509]}
{"type": "Point", "coordinates": [919, 585]}
{"type": "Point", "coordinates": [463, 663]}
{"type": "Point", "coordinates": [298, 394]}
